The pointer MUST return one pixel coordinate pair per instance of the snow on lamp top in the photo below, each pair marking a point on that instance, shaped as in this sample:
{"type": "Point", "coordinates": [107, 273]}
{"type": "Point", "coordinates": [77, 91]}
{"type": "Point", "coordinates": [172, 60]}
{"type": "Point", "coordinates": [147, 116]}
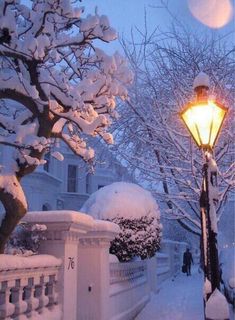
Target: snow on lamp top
{"type": "Point", "coordinates": [121, 199]}
{"type": "Point", "coordinates": [201, 80]}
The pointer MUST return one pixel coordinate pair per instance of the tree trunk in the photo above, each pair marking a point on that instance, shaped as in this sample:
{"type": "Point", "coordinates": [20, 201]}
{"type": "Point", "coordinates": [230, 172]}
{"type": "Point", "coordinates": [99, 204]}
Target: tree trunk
{"type": "Point", "coordinates": [14, 211]}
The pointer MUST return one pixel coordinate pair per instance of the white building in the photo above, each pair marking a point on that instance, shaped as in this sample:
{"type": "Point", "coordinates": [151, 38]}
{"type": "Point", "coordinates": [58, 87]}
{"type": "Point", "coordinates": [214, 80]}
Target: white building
{"type": "Point", "coordinates": [67, 184]}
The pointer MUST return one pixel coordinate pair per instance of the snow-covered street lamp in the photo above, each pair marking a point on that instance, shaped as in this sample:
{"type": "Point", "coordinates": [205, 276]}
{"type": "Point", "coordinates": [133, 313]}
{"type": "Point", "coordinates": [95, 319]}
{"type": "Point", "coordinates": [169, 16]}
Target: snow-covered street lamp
{"type": "Point", "coordinates": [204, 119]}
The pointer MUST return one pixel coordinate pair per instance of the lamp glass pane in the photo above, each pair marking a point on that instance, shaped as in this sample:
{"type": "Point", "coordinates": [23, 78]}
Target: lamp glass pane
{"type": "Point", "coordinates": [189, 119]}
{"type": "Point", "coordinates": [203, 116]}
{"type": "Point", "coordinates": [204, 121]}
{"type": "Point", "coordinates": [218, 116]}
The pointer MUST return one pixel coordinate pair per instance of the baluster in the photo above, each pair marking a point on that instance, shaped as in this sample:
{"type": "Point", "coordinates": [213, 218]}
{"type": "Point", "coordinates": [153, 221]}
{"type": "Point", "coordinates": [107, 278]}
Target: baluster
{"type": "Point", "coordinates": [35, 297]}
{"type": "Point", "coordinates": [17, 298]}
{"type": "Point", "coordinates": [32, 301]}
{"type": "Point", "coordinates": [51, 289]}
{"type": "Point", "coordinates": [45, 297]}
{"type": "Point", "coordinates": [56, 295]}
{"type": "Point", "coordinates": [28, 296]}
{"type": "Point", "coordinates": [6, 307]}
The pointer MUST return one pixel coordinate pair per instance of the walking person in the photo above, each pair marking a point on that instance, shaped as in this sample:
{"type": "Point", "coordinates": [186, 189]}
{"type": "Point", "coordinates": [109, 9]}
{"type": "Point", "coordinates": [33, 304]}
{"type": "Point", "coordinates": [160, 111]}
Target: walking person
{"type": "Point", "coordinates": [187, 260]}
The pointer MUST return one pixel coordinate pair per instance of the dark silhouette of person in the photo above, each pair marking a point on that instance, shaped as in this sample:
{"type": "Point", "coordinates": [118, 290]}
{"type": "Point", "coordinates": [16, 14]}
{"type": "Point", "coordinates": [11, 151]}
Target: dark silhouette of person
{"type": "Point", "coordinates": [187, 260]}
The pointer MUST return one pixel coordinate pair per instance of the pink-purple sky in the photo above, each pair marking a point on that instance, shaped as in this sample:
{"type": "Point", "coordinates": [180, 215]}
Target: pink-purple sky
{"type": "Point", "coordinates": [126, 14]}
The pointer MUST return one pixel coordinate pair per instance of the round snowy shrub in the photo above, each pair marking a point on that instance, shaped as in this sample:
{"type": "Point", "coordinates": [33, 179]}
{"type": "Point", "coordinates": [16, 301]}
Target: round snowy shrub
{"type": "Point", "coordinates": [25, 239]}
{"type": "Point", "coordinates": [137, 214]}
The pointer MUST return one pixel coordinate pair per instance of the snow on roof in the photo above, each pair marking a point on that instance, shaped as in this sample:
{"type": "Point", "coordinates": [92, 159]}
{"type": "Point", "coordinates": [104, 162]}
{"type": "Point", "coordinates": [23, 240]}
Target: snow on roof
{"type": "Point", "coordinates": [121, 199]}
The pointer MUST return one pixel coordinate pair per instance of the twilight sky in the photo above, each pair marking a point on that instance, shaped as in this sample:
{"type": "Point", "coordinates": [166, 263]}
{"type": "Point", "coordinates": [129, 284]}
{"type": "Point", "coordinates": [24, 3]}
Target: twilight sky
{"type": "Point", "coordinates": [126, 14]}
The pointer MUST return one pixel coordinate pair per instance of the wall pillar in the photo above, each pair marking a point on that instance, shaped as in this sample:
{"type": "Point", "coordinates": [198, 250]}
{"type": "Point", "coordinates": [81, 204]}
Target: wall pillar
{"type": "Point", "coordinates": [94, 275]}
{"type": "Point", "coordinates": [64, 228]}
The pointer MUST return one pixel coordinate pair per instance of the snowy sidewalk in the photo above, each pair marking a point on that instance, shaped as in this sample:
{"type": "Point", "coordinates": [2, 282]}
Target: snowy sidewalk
{"type": "Point", "coordinates": [180, 299]}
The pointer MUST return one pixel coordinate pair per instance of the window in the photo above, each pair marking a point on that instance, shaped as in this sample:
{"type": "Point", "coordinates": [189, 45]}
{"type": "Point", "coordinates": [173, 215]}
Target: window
{"type": "Point", "coordinates": [46, 207]}
{"type": "Point", "coordinates": [72, 178]}
{"type": "Point", "coordinates": [47, 164]}
{"type": "Point", "coordinates": [87, 182]}
{"type": "Point", "coordinates": [59, 204]}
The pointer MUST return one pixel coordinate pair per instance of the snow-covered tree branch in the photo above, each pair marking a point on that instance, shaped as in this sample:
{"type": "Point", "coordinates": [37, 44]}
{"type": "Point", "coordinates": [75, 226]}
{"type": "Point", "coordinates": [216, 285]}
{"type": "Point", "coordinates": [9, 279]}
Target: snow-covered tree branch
{"type": "Point", "coordinates": [152, 139]}
{"type": "Point", "coordinates": [61, 85]}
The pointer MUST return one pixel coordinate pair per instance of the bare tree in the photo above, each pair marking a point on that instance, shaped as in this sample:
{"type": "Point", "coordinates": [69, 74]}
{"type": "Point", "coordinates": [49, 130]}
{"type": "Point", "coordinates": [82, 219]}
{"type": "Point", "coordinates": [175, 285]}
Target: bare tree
{"type": "Point", "coordinates": [152, 139]}
{"type": "Point", "coordinates": [64, 87]}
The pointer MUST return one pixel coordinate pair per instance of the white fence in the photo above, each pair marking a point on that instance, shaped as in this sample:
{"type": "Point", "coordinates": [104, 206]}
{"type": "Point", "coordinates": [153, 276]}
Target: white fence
{"type": "Point", "coordinates": [28, 288]}
{"type": "Point", "coordinates": [129, 289]}
{"type": "Point", "coordinates": [89, 286]}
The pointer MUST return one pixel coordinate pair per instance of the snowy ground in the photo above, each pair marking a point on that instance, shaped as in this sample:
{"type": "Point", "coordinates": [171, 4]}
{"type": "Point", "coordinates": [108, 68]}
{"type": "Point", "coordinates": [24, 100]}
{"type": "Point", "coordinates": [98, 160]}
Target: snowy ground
{"type": "Point", "coordinates": [178, 299]}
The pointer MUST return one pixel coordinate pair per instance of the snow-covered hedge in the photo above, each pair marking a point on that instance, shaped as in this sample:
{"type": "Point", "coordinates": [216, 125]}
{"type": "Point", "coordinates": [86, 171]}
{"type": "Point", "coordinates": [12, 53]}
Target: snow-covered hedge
{"type": "Point", "coordinates": [137, 214]}
{"type": "Point", "coordinates": [138, 238]}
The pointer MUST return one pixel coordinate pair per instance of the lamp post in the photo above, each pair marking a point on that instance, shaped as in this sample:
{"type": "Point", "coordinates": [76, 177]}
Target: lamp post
{"type": "Point", "coordinates": [204, 118]}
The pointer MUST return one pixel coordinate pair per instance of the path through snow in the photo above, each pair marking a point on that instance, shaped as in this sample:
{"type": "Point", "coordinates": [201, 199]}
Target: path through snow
{"type": "Point", "coordinates": [180, 299]}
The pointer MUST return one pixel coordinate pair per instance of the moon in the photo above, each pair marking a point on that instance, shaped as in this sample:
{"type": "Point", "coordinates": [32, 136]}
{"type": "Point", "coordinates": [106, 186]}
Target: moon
{"type": "Point", "coordinates": [212, 13]}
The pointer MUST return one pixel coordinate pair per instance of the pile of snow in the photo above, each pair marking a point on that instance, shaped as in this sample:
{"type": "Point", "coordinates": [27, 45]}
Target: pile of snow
{"type": "Point", "coordinates": [217, 306]}
{"type": "Point", "coordinates": [121, 199]}
{"type": "Point", "coordinates": [113, 258]}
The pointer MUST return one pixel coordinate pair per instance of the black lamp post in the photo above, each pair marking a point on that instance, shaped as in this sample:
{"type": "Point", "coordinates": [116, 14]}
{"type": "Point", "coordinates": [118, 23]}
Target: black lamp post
{"type": "Point", "coordinates": [204, 119]}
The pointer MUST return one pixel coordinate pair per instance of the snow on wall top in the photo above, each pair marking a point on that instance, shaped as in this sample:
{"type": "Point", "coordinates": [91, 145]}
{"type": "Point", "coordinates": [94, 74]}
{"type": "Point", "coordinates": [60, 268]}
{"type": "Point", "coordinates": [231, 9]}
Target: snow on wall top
{"type": "Point", "coordinates": [59, 216]}
{"type": "Point", "coordinates": [11, 262]}
{"type": "Point", "coordinates": [106, 226]}
{"type": "Point", "coordinates": [121, 199]}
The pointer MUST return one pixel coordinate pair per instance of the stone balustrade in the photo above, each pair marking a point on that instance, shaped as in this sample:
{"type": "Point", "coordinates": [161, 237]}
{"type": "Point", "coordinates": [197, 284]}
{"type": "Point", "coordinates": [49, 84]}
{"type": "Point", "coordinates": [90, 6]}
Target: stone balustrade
{"type": "Point", "coordinates": [123, 272]}
{"type": "Point", "coordinates": [129, 289]}
{"type": "Point", "coordinates": [28, 287]}
{"type": "Point", "coordinates": [90, 285]}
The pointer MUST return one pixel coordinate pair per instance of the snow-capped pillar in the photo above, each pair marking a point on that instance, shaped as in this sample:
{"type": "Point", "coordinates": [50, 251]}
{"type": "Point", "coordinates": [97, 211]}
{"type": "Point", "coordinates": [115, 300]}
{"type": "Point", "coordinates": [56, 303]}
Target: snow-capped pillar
{"type": "Point", "coordinates": [94, 272]}
{"type": "Point", "coordinates": [152, 274]}
{"type": "Point", "coordinates": [64, 229]}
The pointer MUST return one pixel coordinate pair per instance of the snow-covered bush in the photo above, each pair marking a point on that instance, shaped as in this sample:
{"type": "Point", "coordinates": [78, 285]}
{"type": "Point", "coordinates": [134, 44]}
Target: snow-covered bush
{"type": "Point", "coordinates": [137, 214]}
{"type": "Point", "coordinates": [25, 239]}
{"type": "Point", "coordinates": [138, 238]}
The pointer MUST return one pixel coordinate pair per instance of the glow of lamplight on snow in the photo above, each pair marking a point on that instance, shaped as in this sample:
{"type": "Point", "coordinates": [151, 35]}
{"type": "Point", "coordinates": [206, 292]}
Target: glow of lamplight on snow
{"type": "Point", "coordinates": [212, 13]}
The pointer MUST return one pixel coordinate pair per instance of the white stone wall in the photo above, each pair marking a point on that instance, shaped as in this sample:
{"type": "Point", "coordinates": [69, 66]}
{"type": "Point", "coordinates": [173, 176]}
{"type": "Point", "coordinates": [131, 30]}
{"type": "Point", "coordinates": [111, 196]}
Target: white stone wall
{"type": "Point", "coordinates": [90, 286]}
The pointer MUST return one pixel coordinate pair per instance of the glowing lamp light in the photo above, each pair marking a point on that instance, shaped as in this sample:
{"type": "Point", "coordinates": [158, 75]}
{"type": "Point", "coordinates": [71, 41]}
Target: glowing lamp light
{"type": "Point", "coordinates": [204, 120]}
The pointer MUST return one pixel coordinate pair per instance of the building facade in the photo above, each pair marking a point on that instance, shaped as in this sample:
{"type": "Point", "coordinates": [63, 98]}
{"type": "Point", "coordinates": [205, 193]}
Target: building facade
{"type": "Point", "coordinates": [67, 184]}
